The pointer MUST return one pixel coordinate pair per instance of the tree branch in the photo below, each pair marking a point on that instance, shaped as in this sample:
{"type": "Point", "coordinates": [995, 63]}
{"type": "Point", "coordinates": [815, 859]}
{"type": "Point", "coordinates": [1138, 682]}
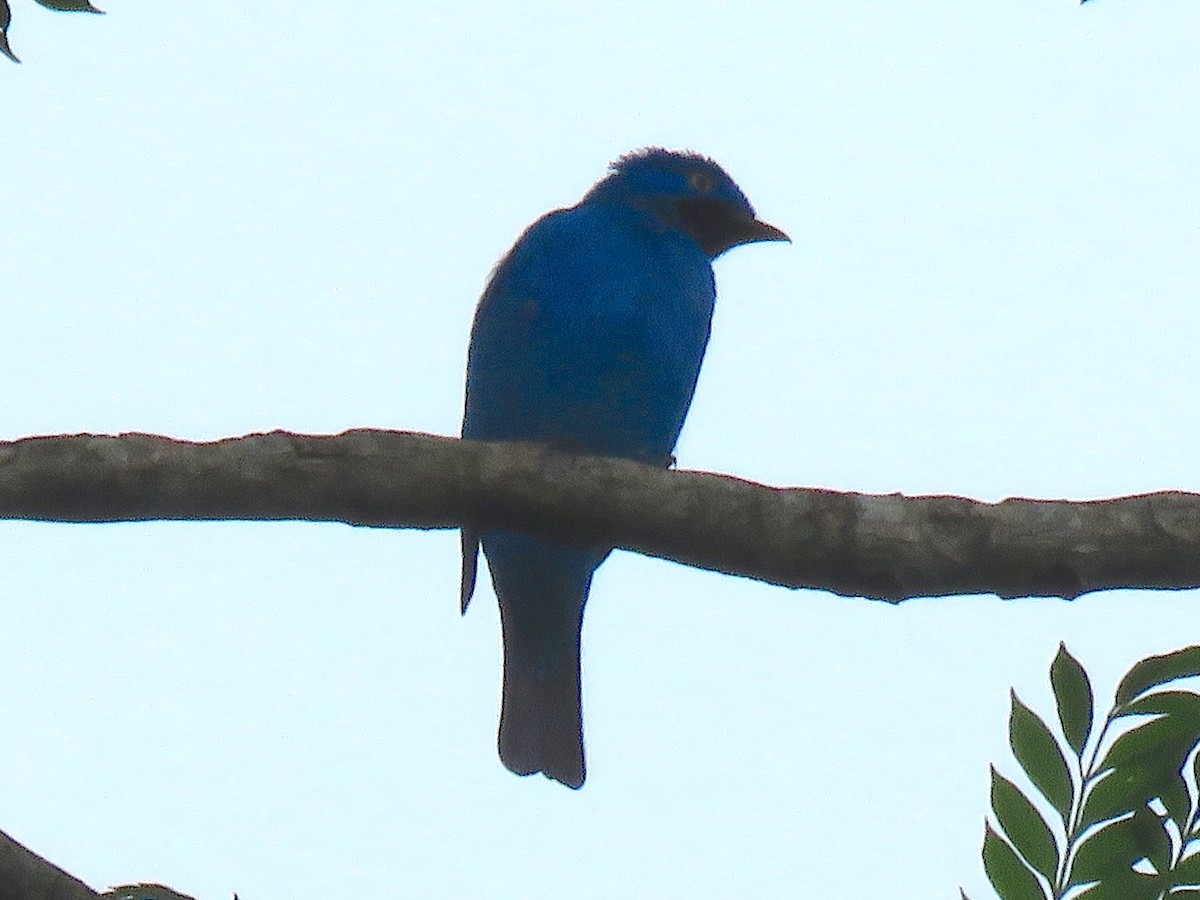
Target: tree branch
{"type": "Point", "coordinates": [887, 547]}
{"type": "Point", "coordinates": [26, 876]}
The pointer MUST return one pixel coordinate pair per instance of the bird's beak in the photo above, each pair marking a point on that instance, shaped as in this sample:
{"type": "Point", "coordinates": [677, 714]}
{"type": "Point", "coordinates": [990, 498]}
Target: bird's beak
{"type": "Point", "coordinates": [758, 230]}
{"type": "Point", "coordinates": [750, 231]}
{"type": "Point", "coordinates": [718, 226]}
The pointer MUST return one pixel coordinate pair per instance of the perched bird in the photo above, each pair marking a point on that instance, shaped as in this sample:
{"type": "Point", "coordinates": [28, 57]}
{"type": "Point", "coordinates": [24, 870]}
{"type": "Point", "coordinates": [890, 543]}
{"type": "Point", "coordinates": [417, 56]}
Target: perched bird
{"type": "Point", "coordinates": [589, 337]}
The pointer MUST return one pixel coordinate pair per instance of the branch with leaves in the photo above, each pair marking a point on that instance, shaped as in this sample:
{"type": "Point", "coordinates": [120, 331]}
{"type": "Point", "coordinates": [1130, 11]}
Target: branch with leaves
{"type": "Point", "coordinates": [1126, 822]}
{"type": "Point", "coordinates": [60, 5]}
{"type": "Point", "coordinates": [887, 547]}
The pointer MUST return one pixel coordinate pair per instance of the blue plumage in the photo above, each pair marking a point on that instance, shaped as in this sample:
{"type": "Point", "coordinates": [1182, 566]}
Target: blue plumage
{"type": "Point", "coordinates": [589, 337]}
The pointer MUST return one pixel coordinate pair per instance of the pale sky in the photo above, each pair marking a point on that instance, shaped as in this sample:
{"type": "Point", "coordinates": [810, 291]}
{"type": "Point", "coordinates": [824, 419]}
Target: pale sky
{"type": "Point", "coordinates": [237, 217]}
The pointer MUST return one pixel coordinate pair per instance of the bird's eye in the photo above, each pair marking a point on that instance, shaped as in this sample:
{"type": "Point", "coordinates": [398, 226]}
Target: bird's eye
{"type": "Point", "coordinates": [701, 182]}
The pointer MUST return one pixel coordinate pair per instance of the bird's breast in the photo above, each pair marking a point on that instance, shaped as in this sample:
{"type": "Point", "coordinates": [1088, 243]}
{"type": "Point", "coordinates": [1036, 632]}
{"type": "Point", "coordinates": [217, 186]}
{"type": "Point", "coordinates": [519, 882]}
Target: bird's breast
{"type": "Point", "coordinates": [591, 335]}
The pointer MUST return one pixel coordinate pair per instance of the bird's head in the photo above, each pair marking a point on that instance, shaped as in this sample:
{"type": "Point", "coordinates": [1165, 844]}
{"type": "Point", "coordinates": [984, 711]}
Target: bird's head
{"type": "Point", "coordinates": [688, 191]}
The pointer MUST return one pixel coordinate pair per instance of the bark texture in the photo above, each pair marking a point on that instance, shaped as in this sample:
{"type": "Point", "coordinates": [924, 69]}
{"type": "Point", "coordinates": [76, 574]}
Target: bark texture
{"type": "Point", "coordinates": [888, 547]}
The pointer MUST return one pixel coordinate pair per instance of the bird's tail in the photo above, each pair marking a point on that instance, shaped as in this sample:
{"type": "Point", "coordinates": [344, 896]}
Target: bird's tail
{"type": "Point", "coordinates": [541, 719]}
{"type": "Point", "coordinates": [542, 588]}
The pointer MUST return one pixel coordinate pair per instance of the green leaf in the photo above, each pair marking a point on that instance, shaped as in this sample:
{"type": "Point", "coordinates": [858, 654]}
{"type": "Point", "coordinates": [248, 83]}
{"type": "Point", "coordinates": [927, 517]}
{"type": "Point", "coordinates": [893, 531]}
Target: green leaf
{"type": "Point", "coordinates": [1073, 694]}
{"type": "Point", "coordinates": [1108, 853]}
{"type": "Point", "coordinates": [1024, 826]}
{"type": "Point", "coordinates": [1195, 830]}
{"type": "Point", "coordinates": [1188, 871]}
{"type": "Point", "coordinates": [1011, 878]}
{"type": "Point", "coordinates": [1155, 670]}
{"type": "Point", "coordinates": [1040, 756]}
{"type": "Point", "coordinates": [1150, 833]}
{"type": "Point", "coordinates": [1173, 703]}
{"type": "Point", "coordinates": [1144, 763]}
{"type": "Point", "coordinates": [1120, 792]}
{"type": "Point", "coordinates": [1162, 743]}
{"type": "Point", "coordinates": [5, 20]}
{"type": "Point", "coordinates": [1133, 886]}
{"type": "Point", "coordinates": [70, 6]}
{"type": "Point", "coordinates": [1174, 794]}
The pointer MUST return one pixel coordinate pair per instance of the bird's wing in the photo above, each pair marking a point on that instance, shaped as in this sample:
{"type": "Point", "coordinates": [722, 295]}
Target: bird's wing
{"type": "Point", "coordinates": [470, 565]}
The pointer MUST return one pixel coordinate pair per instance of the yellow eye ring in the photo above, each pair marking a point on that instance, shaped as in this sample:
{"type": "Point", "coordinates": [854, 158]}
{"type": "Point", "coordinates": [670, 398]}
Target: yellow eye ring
{"type": "Point", "coordinates": [701, 182]}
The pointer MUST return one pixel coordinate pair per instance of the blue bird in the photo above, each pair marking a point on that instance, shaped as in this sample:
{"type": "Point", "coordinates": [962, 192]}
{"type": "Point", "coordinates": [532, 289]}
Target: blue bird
{"type": "Point", "coordinates": [589, 338]}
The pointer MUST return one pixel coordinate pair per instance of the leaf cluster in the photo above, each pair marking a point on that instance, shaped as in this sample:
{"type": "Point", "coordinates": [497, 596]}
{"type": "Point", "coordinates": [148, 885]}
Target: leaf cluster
{"type": "Point", "coordinates": [60, 5]}
{"type": "Point", "coordinates": [1126, 823]}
